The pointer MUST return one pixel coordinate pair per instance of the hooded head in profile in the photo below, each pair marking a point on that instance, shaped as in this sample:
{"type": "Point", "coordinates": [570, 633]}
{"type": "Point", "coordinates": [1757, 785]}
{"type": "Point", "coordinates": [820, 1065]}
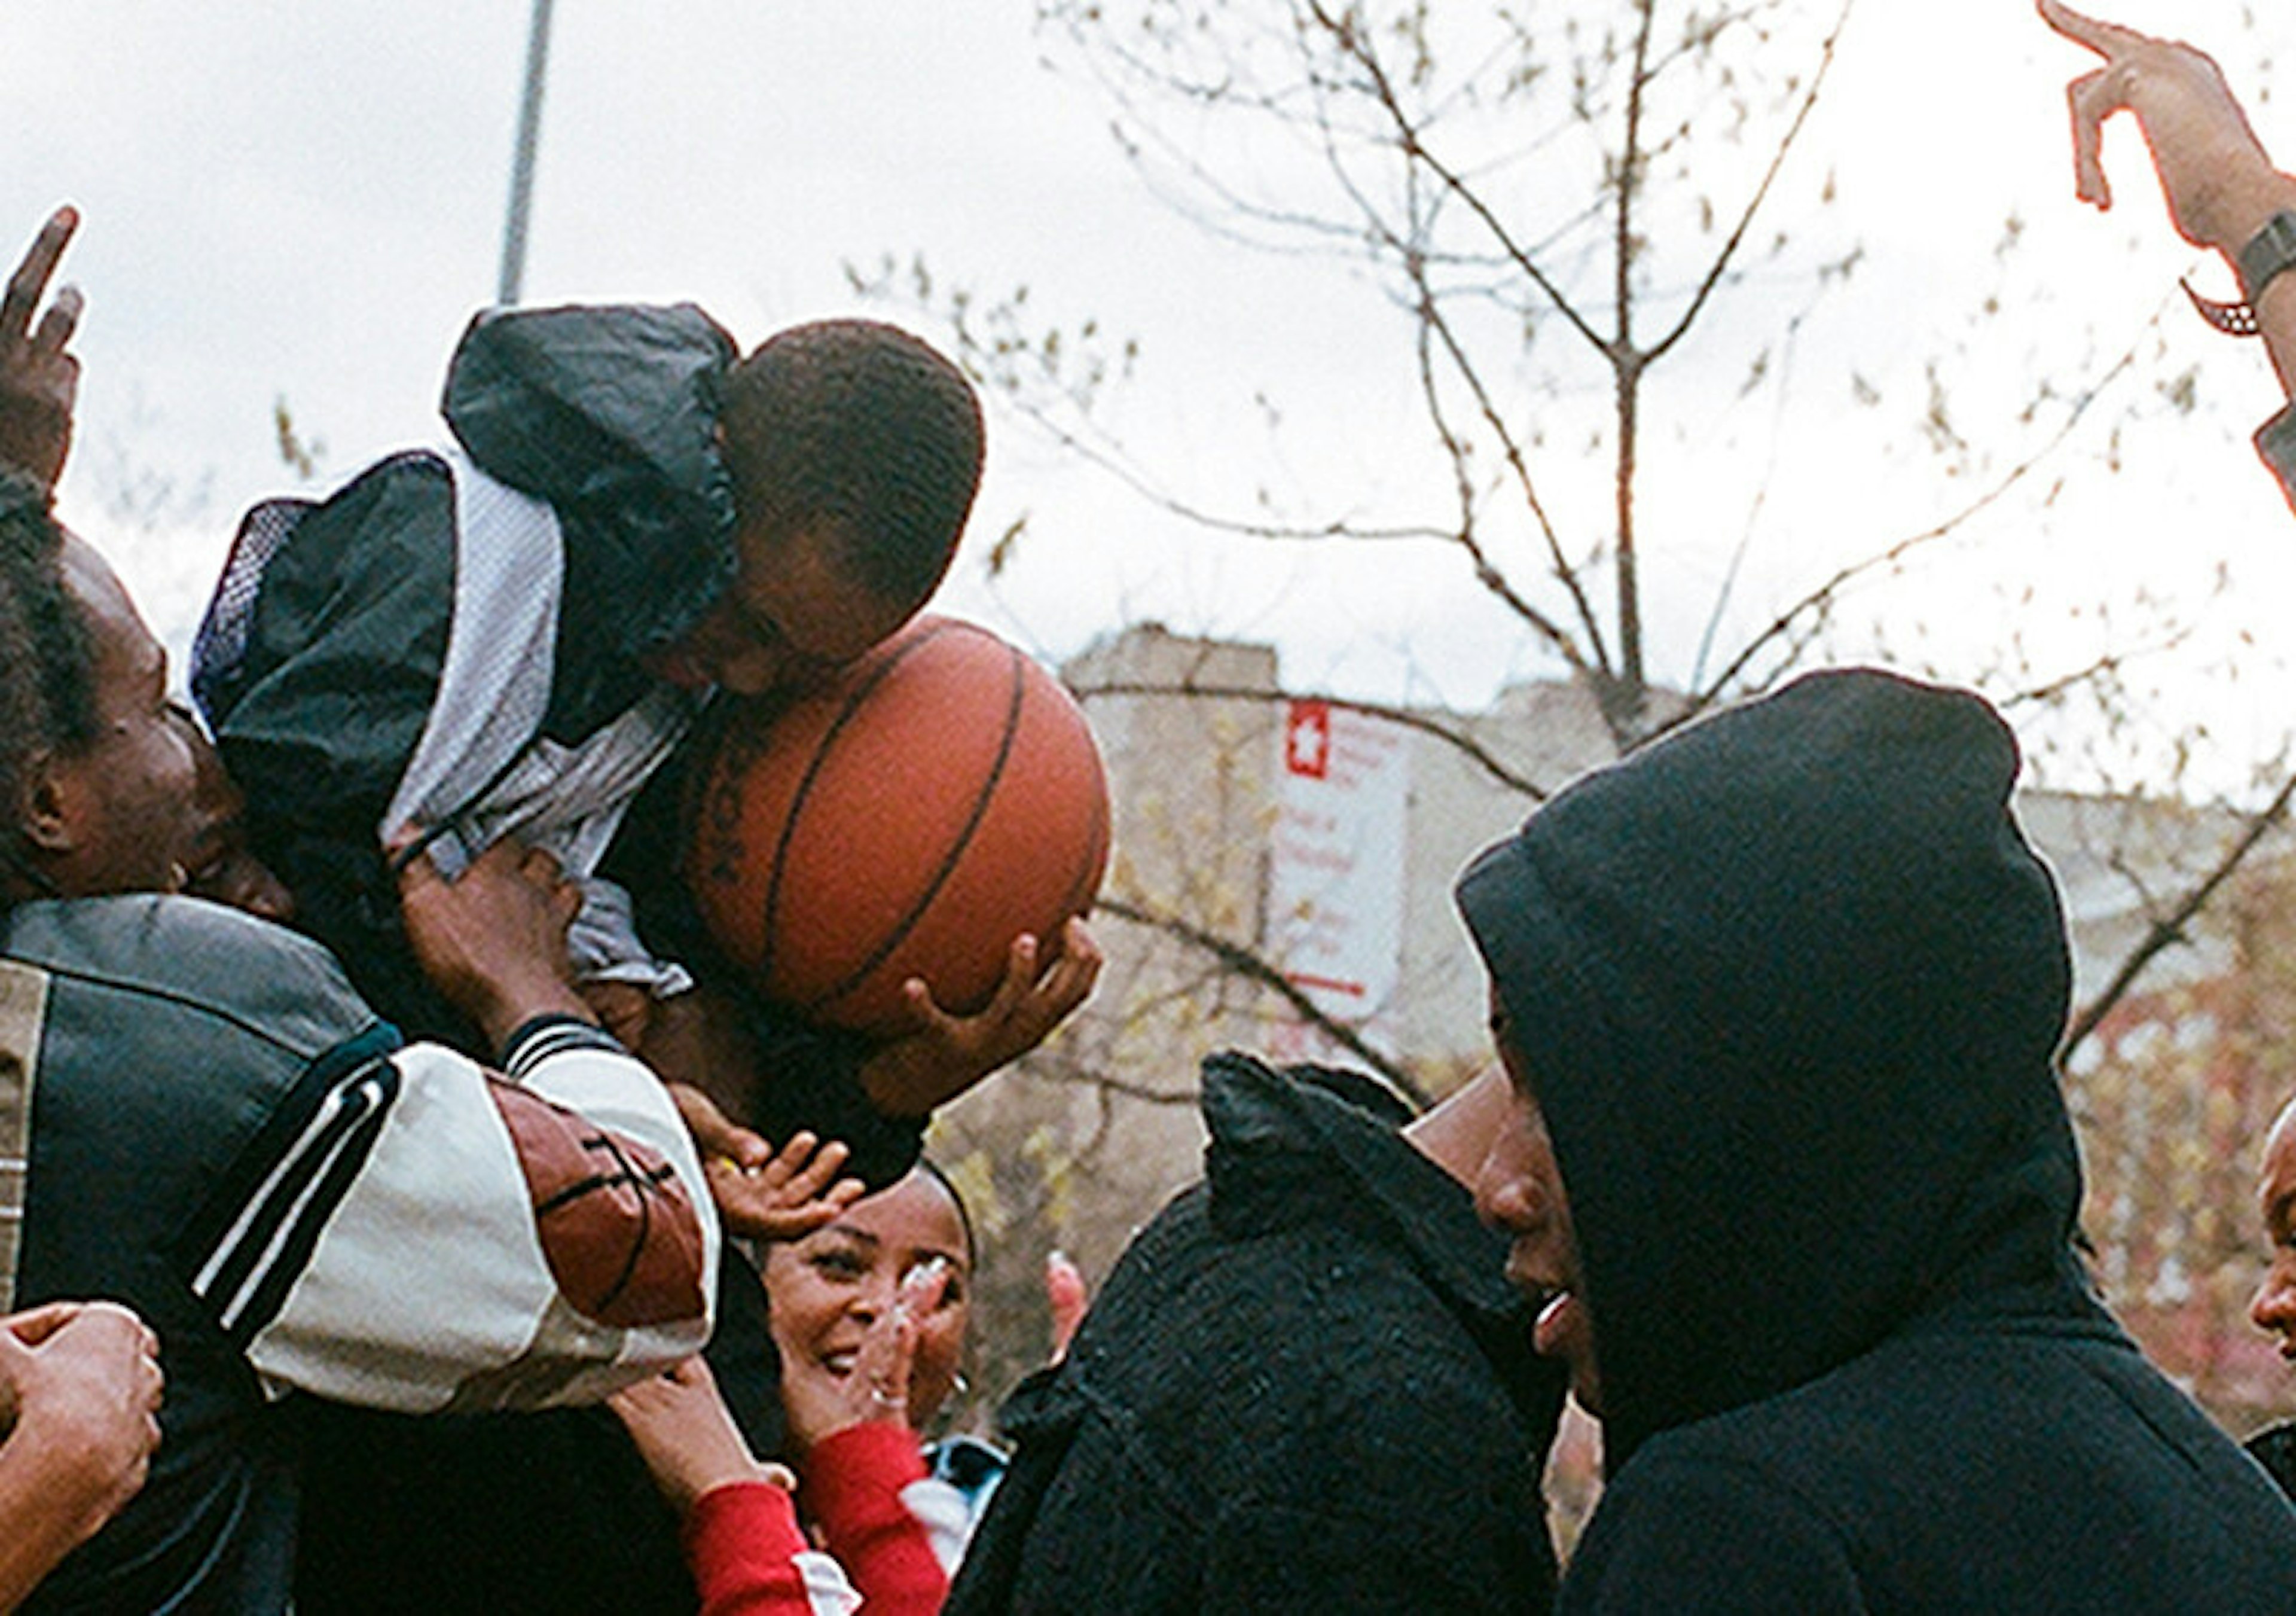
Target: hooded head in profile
{"type": "Point", "coordinates": [1782, 994]}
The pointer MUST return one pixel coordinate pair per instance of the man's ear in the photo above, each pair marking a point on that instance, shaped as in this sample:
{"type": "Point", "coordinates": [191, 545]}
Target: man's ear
{"type": "Point", "coordinates": [48, 815]}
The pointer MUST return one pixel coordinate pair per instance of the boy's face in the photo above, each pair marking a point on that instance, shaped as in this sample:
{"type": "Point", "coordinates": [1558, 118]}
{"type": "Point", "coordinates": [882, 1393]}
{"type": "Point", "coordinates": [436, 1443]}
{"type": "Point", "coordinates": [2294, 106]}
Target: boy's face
{"type": "Point", "coordinates": [794, 612]}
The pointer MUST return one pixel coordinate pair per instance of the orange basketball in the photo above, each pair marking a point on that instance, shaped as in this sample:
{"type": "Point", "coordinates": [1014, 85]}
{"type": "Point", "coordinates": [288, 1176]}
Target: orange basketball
{"type": "Point", "coordinates": [934, 800]}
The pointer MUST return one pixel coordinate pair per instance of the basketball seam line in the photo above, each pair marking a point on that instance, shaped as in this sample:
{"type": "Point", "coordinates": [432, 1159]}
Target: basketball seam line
{"type": "Point", "coordinates": [602, 1181]}
{"type": "Point", "coordinates": [955, 854]}
{"type": "Point", "coordinates": [812, 770]}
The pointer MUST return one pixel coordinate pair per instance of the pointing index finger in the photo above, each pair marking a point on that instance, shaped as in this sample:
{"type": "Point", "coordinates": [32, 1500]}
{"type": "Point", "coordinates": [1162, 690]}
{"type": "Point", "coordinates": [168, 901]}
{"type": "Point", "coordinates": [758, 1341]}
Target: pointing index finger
{"type": "Point", "coordinates": [2107, 39]}
{"type": "Point", "coordinates": [32, 275]}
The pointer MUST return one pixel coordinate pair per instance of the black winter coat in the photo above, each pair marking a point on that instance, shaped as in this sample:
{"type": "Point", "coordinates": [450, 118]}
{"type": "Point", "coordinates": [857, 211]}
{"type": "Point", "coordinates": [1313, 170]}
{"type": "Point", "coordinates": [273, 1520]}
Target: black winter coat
{"type": "Point", "coordinates": [1305, 1388]}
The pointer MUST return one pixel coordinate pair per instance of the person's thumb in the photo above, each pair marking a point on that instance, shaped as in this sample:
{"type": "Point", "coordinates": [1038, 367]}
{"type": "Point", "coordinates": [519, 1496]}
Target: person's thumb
{"type": "Point", "coordinates": [15, 1360]}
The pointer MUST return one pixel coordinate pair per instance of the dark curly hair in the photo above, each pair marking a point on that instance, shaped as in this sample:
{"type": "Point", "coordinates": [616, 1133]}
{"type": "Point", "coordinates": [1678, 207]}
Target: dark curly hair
{"type": "Point", "coordinates": [861, 428]}
{"type": "Point", "coordinates": [47, 701]}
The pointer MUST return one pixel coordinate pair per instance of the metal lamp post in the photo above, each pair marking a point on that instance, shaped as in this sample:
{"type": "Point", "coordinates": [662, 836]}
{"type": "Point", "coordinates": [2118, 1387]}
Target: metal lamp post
{"type": "Point", "coordinates": [522, 170]}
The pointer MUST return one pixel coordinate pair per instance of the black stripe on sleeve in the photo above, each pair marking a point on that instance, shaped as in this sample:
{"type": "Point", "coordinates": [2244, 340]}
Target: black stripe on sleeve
{"type": "Point", "coordinates": [252, 1238]}
{"type": "Point", "coordinates": [536, 1041]}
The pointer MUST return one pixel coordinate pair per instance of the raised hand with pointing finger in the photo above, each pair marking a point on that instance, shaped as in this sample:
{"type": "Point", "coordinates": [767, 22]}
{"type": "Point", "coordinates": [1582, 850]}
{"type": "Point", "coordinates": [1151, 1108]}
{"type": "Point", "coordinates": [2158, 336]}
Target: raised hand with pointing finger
{"type": "Point", "coordinates": [2221, 188]}
{"type": "Point", "coordinates": [2220, 185]}
{"type": "Point", "coordinates": [39, 377]}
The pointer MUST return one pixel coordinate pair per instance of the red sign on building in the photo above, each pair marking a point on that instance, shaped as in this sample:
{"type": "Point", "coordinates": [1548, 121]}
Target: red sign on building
{"type": "Point", "coordinates": [1307, 739]}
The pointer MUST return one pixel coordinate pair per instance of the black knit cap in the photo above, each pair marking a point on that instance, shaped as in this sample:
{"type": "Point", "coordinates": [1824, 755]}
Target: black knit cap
{"type": "Point", "coordinates": [1789, 983]}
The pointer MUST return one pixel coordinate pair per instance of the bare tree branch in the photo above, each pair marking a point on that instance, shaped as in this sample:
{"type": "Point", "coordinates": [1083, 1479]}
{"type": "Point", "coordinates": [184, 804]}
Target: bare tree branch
{"type": "Point", "coordinates": [1820, 600]}
{"type": "Point", "coordinates": [1082, 1076]}
{"type": "Point", "coordinates": [1466, 745]}
{"type": "Point", "coordinates": [1413, 254]}
{"type": "Point", "coordinates": [2110, 662]}
{"type": "Point", "coordinates": [1714, 272]}
{"type": "Point", "coordinates": [1738, 553]}
{"type": "Point", "coordinates": [1247, 962]}
{"type": "Point", "coordinates": [2169, 927]}
{"type": "Point", "coordinates": [1350, 39]}
{"type": "Point", "coordinates": [1623, 710]}
{"type": "Point", "coordinates": [1488, 574]}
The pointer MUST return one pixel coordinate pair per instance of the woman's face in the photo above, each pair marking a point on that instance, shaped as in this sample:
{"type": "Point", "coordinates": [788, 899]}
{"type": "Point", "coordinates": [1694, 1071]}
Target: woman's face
{"type": "Point", "coordinates": [827, 1288]}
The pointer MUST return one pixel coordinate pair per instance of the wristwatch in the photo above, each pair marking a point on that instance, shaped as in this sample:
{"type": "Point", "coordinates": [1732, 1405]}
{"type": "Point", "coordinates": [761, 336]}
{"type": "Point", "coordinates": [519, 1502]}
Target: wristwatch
{"type": "Point", "coordinates": [2258, 263]}
{"type": "Point", "coordinates": [2268, 251]}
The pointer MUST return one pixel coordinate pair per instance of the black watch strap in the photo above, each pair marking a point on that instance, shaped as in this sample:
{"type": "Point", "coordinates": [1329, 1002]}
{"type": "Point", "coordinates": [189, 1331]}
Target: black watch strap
{"type": "Point", "coordinates": [2267, 252]}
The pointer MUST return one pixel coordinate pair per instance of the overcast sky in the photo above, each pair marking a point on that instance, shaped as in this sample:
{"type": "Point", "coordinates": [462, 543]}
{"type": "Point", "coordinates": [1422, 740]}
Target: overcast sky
{"type": "Point", "coordinates": [305, 201]}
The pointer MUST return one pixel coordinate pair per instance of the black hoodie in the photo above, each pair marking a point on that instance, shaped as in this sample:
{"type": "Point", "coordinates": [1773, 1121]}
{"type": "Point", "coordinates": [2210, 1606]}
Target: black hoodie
{"type": "Point", "coordinates": [1788, 984]}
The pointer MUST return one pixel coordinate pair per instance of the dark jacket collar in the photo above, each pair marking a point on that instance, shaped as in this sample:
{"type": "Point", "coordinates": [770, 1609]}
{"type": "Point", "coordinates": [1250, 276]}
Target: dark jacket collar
{"type": "Point", "coordinates": [1314, 1143]}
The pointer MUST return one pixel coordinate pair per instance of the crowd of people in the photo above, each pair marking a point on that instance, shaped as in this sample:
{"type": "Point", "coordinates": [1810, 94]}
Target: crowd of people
{"type": "Point", "coordinates": [403, 1206]}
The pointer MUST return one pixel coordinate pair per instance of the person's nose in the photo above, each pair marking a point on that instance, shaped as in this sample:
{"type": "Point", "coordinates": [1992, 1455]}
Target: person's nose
{"type": "Point", "coordinates": [872, 1298]}
{"type": "Point", "coordinates": [1508, 1199]}
{"type": "Point", "coordinates": [2273, 1309]}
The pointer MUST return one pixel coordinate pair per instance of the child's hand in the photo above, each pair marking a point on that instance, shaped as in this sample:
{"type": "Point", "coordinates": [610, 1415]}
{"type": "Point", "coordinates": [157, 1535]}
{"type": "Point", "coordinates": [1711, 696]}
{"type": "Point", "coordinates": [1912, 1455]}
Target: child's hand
{"type": "Point", "coordinates": [762, 1193]}
{"type": "Point", "coordinates": [947, 1054]}
{"type": "Point", "coordinates": [793, 1193]}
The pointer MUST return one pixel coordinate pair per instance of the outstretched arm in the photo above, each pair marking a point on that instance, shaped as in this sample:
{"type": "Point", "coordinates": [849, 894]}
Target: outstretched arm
{"type": "Point", "coordinates": [748, 1553]}
{"type": "Point", "coordinates": [411, 1230]}
{"type": "Point", "coordinates": [2220, 182]}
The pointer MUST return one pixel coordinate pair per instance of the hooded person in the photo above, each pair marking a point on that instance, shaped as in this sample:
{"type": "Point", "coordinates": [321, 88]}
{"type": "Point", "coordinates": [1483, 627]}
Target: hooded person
{"type": "Point", "coordinates": [1791, 1176]}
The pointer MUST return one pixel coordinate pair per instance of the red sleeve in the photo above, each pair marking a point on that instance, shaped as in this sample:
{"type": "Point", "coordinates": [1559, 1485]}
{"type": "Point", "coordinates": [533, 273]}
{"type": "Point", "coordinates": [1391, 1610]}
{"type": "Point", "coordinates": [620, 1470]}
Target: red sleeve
{"type": "Point", "coordinates": [853, 1483]}
{"type": "Point", "coordinates": [741, 1540]}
